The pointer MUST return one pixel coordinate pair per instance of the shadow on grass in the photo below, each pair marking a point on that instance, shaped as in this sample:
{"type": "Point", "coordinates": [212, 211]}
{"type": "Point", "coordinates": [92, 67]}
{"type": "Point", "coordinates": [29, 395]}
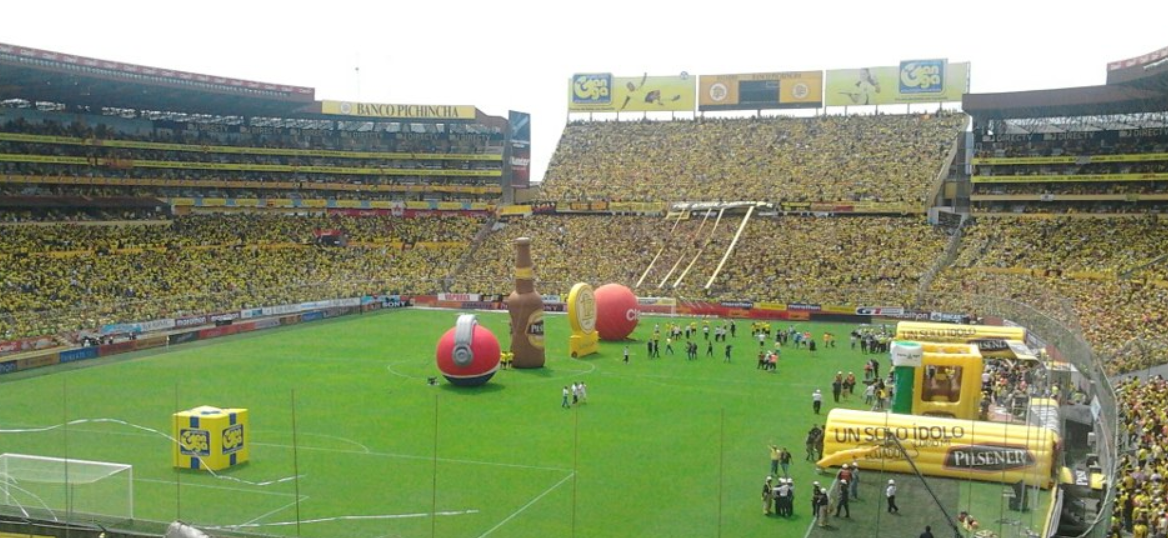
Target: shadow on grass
{"type": "Point", "coordinates": [488, 388]}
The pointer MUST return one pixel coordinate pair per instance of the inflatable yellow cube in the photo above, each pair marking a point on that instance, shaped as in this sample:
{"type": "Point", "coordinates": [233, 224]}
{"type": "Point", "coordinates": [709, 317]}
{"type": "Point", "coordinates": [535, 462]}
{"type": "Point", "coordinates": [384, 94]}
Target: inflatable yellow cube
{"type": "Point", "coordinates": [210, 438]}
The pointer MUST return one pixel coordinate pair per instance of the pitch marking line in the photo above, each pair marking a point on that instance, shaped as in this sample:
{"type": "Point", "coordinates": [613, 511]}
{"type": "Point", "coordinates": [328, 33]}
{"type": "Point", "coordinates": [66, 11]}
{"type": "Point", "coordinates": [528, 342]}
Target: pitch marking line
{"type": "Point", "coordinates": [526, 506]}
{"type": "Point", "coordinates": [359, 453]}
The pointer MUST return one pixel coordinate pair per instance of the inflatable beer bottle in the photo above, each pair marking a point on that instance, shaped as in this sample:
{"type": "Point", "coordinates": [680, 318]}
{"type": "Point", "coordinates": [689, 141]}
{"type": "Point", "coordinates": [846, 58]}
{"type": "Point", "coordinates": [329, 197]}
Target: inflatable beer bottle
{"type": "Point", "coordinates": [526, 308]}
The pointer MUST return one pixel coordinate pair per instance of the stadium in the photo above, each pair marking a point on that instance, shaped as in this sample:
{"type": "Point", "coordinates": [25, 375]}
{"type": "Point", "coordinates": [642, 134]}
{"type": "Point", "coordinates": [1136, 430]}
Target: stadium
{"type": "Point", "coordinates": [223, 299]}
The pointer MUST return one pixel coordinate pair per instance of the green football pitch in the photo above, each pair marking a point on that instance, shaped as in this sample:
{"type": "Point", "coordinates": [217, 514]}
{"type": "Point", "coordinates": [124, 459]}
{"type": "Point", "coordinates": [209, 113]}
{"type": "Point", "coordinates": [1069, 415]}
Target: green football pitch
{"type": "Point", "coordinates": [348, 439]}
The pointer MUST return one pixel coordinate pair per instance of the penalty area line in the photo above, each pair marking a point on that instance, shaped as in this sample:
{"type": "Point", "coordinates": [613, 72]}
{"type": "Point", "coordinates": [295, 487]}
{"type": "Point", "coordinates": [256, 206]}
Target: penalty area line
{"type": "Point", "coordinates": [526, 506]}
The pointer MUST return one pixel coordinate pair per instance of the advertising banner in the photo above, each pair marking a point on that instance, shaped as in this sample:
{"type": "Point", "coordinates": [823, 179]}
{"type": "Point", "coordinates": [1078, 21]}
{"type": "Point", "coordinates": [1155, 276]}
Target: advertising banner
{"type": "Point", "coordinates": [514, 211]}
{"type": "Point", "coordinates": [756, 91]}
{"type": "Point", "coordinates": [26, 344]}
{"type": "Point", "coordinates": [379, 110]}
{"type": "Point", "coordinates": [79, 354]}
{"type": "Point", "coordinates": [139, 327]}
{"type": "Point", "coordinates": [150, 342]}
{"type": "Point", "coordinates": [879, 311]}
{"type": "Point", "coordinates": [114, 349]}
{"type": "Point", "coordinates": [182, 338]}
{"type": "Point", "coordinates": [965, 449]}
{"type": "Point", "coordinates": [583, 207]}
{"type": "Point", "coordinates": [602, 92]}
{"type": "Point", "coordinates": [520, 149]}
{"type": "Point", "coordinates": [38, 361]}
{"type": "Point", "coordinates": [193, 321]}
{"type": "Point", "coordinates": [913, 81]}
{"type": "Point", "coordinates": [645, 208]}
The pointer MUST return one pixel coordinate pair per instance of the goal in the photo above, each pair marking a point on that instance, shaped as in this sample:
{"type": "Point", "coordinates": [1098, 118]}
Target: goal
{"type": "Point", "coordinates": [65, 489]}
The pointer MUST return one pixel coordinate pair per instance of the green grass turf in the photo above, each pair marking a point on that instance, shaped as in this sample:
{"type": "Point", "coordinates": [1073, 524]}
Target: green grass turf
{"type": "Point", "coordinates": [664, 447]}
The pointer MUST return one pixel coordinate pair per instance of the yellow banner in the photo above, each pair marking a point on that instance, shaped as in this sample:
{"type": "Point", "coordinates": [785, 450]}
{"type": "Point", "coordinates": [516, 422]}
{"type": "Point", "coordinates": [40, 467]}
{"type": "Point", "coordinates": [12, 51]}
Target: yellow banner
{"type": "Point", "coordinates": [637, 207]}
{"type": "Point", "coordinates": [602, 92]}
{"type": "Point", "coordinates": [754, 91]}
{"type": "Point", "coordinates": [838, 309]}
{"type": "Point", "coordinates": [954, 448]}
{"type": "Point", "coordinates": [1073, 159]}
{"type": "Point", "coordinates": [1070, 178]}
{"type": "Point", "coordinates": [380, 110]}
{"type": "Point", "coordinates": [913, 81]}
{"type": "Point", "coordinates": [771, 306]}
{"type": "Point", "coordinates": [515, 211]}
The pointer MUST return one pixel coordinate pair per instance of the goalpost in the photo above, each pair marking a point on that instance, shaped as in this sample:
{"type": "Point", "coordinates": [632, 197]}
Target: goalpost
{"type": "Point", "coordinates": [62, 489]}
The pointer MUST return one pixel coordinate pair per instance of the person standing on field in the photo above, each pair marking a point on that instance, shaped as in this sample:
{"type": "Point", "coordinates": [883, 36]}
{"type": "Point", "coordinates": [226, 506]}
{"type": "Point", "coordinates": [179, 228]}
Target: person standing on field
{"type": "Point", "coordinates": [890, 494]}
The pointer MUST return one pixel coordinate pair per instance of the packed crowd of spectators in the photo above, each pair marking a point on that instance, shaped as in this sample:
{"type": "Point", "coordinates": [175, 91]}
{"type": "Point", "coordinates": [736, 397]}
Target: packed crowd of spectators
{"type": "Point", "coordinates": [566, 250]}
{"type": "Point", "coordinates": [1073, 169]}
{"type": "Point", "coordinates": [845, 260]}
{"type": "Point", "coordinates": [827, 158]}
{"type": "Point", "coordinates": [1112, 245]}
{"type": "Point", "coordinates": [1113, 298]}
{"type": "Point", "coordinates": [1077, 188]}
{"type": "Point", "coordinates": [1142, 483]}
{"type": "Point", "coordinates": [283, 151]}
{"type": "Point", "coordinates": [65, 277]}
{"type": "Point", "coordinates": [1073, 207]}
{"type": "Point", "coordinates": [1121, 319]}
{"type": "Point", "coordinates": [838, 260]}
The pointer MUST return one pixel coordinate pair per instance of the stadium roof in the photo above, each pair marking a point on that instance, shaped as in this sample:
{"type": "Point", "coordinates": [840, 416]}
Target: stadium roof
{"type": "Point", "coordinates": [1135, 85]}
{"type": "Point", "coordinates": [1067, 102]}
{"type": "Point", "coordinates": [41, 75]}
{"type": "Point", "coordinates": [1147, 71]}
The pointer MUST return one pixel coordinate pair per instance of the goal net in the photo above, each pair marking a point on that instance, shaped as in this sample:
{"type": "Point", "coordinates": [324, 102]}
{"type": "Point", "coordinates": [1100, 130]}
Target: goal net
{"type": "Point", "coordinates": [61, 489]}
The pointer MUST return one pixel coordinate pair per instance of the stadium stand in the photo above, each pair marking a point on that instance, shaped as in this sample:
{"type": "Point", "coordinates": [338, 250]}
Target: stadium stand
{"type": "Point", "coordinates": [160, 193]}
{"type": "Point", "coordinates": [66, 278]}
{"type": "Point", "coordinates": [828, 158]}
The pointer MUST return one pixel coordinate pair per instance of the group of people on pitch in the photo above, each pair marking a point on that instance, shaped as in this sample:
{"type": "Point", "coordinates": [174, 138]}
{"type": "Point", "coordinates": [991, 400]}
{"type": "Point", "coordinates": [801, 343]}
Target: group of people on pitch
{"type": "Point", "coordinates": [778, 495]}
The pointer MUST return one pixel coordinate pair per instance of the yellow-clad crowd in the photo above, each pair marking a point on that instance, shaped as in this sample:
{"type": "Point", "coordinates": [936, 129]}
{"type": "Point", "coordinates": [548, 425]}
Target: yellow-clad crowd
{"type": "Point", "coordinates": [890, 158]}
{"type": "Point", "coordinates": [1141, 506]}
{"type": "Point", "coordinates": [838, 260]}
{"type": "Point", "coordinates": [63, 278]}
{"type": "Point", "coordinates": [1097, 276]}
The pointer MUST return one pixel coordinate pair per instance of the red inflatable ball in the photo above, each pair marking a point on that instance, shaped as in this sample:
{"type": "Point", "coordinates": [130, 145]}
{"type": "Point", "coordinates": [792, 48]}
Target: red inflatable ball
{"type": "Point", "coordinates": [617, 312]}
{"type": "Point", "coordinates": [469, 365]}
